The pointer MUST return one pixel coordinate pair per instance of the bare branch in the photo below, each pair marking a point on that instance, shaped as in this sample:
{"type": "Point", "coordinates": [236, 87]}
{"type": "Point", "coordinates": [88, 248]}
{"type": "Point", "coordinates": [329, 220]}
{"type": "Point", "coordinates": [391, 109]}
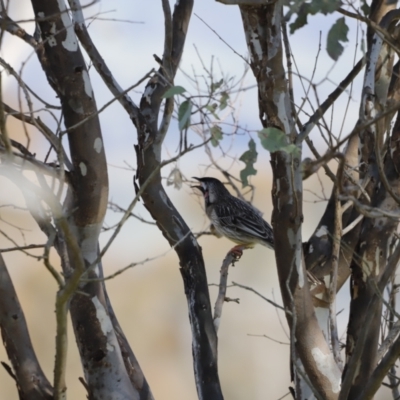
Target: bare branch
{"type": "Point", "coordinates": [381, 371]}
{"type": "Point", "coordinates": [228, 260]}
{"type": "Point", "coordinates": [336, 239]}
{"type": "Point", "coordinates": [263, 297]}
{"type": "Point", "coordinates": [389, 340]}
{"type": "Point", "coordinates": [31, 381]}
{"type": "Point", "coordinates": [12, 27]}
{"type": "Point", "coordinates": [98, 61]}
{"type": "Point", "coordinates": [19, 248]}
{"type": "Point", "coordinates": [352, 365]}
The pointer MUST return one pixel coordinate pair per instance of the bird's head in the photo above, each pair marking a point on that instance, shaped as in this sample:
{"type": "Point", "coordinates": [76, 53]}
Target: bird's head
{"type": "Point", "coordinates": [211, 188]}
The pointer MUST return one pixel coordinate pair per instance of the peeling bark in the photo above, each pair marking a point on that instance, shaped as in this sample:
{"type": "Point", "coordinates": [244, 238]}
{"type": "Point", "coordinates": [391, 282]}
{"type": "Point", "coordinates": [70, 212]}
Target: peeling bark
{"type": "Point", "coordinates": [167, 217]}
{"type": "Point", "coordinates": [263, 35]}
{"type": "Point", "coordinates": [372, 251]}
{"type": "Point", "coordinates": [103, 362]}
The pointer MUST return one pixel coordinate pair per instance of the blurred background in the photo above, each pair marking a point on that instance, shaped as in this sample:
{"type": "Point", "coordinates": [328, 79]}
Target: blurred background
{"type": "Point", "coordinates": [149, 299]}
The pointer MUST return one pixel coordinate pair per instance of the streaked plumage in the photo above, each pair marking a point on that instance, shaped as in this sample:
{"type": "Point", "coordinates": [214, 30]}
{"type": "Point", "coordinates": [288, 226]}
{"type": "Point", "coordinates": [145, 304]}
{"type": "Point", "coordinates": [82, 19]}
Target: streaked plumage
{"type": "Point", "coordinates": [234, 218]}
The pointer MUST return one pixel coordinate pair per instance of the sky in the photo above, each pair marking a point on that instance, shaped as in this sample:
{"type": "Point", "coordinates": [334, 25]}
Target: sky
{"type": "Point", "coordinates": [149, 298]}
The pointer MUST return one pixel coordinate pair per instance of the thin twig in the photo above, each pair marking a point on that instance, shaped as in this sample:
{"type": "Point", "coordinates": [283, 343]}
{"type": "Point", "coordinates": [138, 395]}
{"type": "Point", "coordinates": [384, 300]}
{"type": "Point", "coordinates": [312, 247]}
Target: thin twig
{"type": "Point", "coordinates": [19, 248]}
{"type": "Point", "coordinates": [228, 260]}
{"type": "Point", "coordinates": [330, 100]}
{"type": "Point", "coordinates": [131, 206]}
{"type": "Point", "coordinates": [263, 297]}
{"type": "Point", "coordinates": [389, 340]}
{"type": "Point", "coordinates": [222, 40]}
{"type": "Point", "coordinates": [352, 224]}
{"type": "Point", "coordinates": [270, 338]}
{"type": "Point", "coordinates": [336, 239]}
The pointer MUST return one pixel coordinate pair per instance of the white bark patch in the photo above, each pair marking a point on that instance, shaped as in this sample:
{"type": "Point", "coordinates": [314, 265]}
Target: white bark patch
{"type": "Point", "coordinates": [83, 168]}
{"type": "Point", "coordinates": [327, 280]}
{"type": "Point", "coordinates": [78, 18]}
{"type": "Point", "coordinates": [76, 105]}
{"type": "Point", "coordinates": [98, 145]}
{"type": "Point", "coordinates": [70, 43]}
{"type": "Point", "coordinates": [369, 80]}
{"type": "Point", "coordinates": [323, 231]}
{"type": "Point", "coordinates": [327, 367]}
{"type": "Point", "coordinates": [283, 116]}
{"type": "Point", "coordinates": [148, 92]}
{"type": "Point", "coordinates": [86, 84]}
{"type": "Point", "coordinates": [101, 314]}
{"type": "Point", "coordinates": [256, 45]}
{"type": "Point", "coordinates": [368, 266]}
{"type": "Point", "coordinates": [89, 236]}
{"type": "Point", "coordinates": [194, 242]}
{"type": "Point", "coordinates": [51, 39]}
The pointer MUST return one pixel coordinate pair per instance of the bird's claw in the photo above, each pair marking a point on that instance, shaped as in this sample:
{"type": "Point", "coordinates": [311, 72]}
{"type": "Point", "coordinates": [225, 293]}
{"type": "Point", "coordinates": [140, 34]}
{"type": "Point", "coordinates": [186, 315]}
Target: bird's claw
{"type": "Point", "coordinates": [237, 252]}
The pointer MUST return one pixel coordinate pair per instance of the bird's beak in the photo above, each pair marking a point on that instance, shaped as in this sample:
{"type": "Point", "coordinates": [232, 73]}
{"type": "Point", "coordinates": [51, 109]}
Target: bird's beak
{"type": "Point", "coordinates": [198, 187]}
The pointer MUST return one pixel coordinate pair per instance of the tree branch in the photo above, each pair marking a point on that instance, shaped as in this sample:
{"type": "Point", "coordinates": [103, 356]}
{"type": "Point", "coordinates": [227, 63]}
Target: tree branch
{"type": "Point", "coordinates": [30, 379]}
{"type": "Point", "coordinates": [228, 260]}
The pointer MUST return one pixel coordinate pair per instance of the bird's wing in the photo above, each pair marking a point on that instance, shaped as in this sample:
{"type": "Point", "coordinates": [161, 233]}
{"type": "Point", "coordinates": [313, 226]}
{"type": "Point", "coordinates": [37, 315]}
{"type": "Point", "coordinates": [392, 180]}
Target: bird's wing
{"type": "Point", "coordinates": [243, 217]}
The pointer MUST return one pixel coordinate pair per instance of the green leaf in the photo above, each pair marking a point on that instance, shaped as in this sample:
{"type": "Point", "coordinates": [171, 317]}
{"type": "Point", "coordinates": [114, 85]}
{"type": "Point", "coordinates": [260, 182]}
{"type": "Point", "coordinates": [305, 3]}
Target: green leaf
{"type": "Point", "coordinates": [337, 34]}
{"type": "Point", "coordinates": [249, 157]}
{"type": "Point", "coordinates": [184, 112]}
{"type": "Point", "coordinates": [273, 139]}
{"type": "Point", "coordinates": [212, 108]}
{"type": "Point", "coordinates": [223, 101]}
{"type": "Point", "coordinates": [216, 85]}
{"type": "Point", "coordinates": [216, 135]}
{"type": "Point", "coordinates": [172, 91]}
{"type": "Point", "coordinates": [303, 10]}
{"type": "Point", "coordinates": [324, 6]}
{"type": "Point", "coordinates": [301, 19]}
{"type": "Point", "coordinates": [291, 149]}
{"type": "Point", "coordinates": [365, 8]}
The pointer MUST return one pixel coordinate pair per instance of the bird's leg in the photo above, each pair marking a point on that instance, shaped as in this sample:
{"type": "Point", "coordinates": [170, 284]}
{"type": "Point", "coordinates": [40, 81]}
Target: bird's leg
{"type": "Point", "coordinates": [237, 251]}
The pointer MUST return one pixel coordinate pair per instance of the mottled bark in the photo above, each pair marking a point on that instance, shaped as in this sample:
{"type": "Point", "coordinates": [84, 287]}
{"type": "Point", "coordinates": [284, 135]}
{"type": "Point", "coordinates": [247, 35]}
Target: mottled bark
{"type": "Point", "coordinates": [373, 253]}
{"type": "Point", "coordinates": [132, 365]}
{"type": "Point", "coordinates": [372, 250]}
{"type": "Point", "coordinates": [63, 63]}
{"type": "Point", "coordinates": [167, 217]}
{"type": "Point", "coordinates": [263, 35]}
{"type": "Point", "coordinates": [318, 248]}
{"type": "Point", "coordinates": [31, 382]}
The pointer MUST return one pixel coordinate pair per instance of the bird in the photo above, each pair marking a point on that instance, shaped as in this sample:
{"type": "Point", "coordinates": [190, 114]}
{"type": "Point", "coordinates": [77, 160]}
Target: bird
{"type": "Point", "coordinates": [234, 218]}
